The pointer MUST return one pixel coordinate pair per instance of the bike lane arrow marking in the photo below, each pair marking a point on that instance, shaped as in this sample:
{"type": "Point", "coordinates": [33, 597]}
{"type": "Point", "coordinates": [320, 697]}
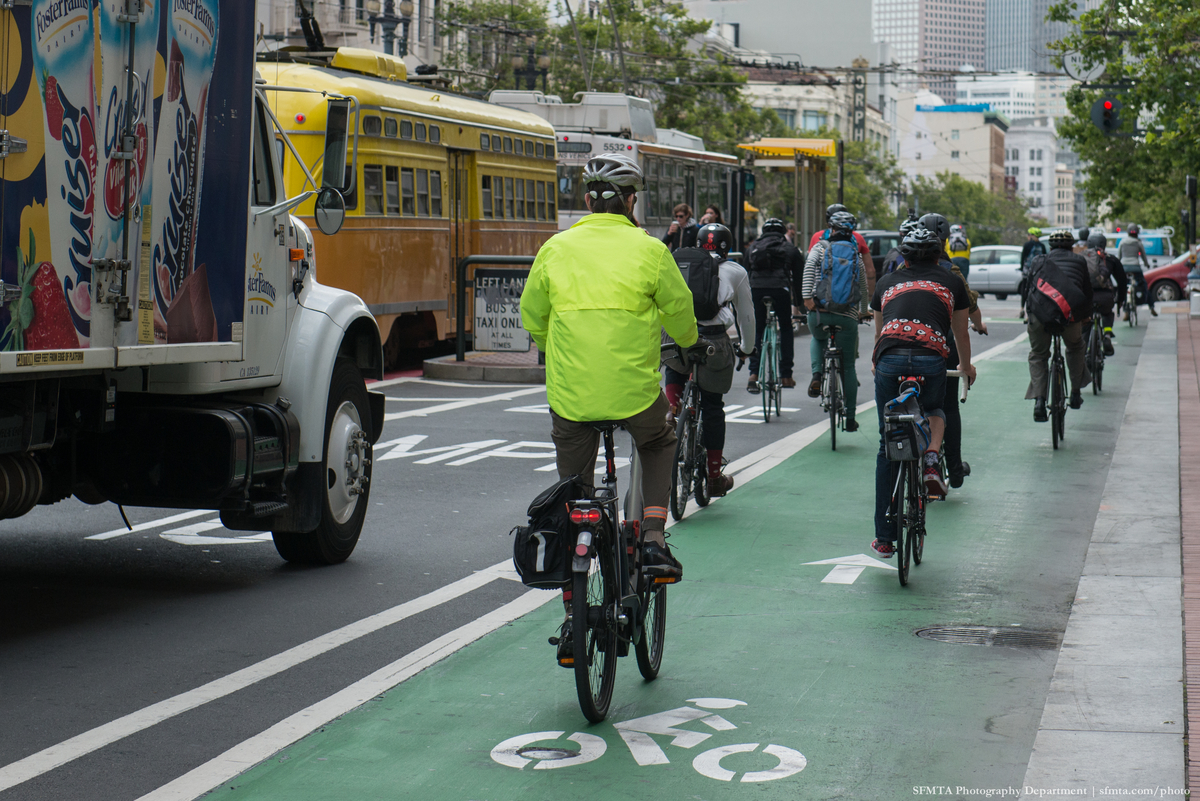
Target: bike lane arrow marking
{"type": "Point", "coordinates": [848, 568]}
{"type": "Point", "coordinates": [636, 733]}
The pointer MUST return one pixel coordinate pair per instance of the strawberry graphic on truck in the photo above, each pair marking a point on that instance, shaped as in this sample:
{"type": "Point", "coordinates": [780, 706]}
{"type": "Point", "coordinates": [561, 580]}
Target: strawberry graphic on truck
{"type": "Point", "coordinates": [39, 319]}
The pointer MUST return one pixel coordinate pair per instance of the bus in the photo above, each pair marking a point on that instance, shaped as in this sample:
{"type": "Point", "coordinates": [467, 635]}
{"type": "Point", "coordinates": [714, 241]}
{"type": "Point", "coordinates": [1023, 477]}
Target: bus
{"type": "Point", "coordinates": [677, 167]}
{"type": "Point", "coordinates": [437, 177]}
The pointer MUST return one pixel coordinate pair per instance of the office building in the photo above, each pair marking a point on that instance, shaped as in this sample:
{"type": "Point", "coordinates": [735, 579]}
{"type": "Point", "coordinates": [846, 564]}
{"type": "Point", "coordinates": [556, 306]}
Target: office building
{"type": "Point", "coordinates": [1016, 95]}
{"type": "Point", "coordinates": [1019, 36]}
{"type": "Point", "coordinates": [965, 140]}
{"type": "Point", "coordinates": [934, 38]}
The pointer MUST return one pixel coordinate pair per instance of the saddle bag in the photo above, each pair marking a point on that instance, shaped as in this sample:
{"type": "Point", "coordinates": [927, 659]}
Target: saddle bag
{"type": "Point", "coordinates": [905, 440]}
{"type": "Point", "coordinates": [542, 549]}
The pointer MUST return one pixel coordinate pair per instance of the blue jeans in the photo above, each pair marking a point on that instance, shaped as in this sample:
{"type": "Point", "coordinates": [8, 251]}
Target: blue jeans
{"type": "Point", "coordinates": [888, 371]}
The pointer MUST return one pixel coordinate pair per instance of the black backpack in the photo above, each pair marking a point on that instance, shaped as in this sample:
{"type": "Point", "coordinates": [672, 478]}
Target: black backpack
{"type": "Point", "coordinates": [1053, 296]}
{"type": "Point", "coordinates": [542, 549]}
{"type": "Point", "coordinates": [1098, 269]}
{"type": "Point", "coordinates": [768, 257]}
{"type": "Point", "coordinates": [702, 271]}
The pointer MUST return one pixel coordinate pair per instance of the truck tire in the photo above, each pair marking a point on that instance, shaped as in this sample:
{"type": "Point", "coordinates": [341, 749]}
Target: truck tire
{"type": "Point", "coordinates": [346, 475]}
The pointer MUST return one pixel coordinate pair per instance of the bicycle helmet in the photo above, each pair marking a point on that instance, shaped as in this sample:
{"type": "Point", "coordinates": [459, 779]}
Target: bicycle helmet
{"type": "Point", "coordinates": [1035, 231]}
{"type": "Point", "coordinates": [938, 224]}
{"type": "Point", "coordinates": [1097, 240]}
{"type": "Point", "coordinates": [907, 226]}
{"type": "Point", "coordinates": [920, 245]}
{"type": "Point", "coordinates": [715, 237]}
{"type": "Point", "coordinates": [1062, 239]}
{"type": "Point", "coordinates": [957, 229]}
{"type": "Point", "coordinates": [613, 168]}
{"type": "Point", "coordinates": [842, 221]}
{"type": "Point", "coordinates": [833, 209]}
{"type": "Point", "coordinates": [1133, 230]}
{"type": "Point", "coordinates": [774, 226]}
{"type": "Point", "coordinates": [1083, 234]}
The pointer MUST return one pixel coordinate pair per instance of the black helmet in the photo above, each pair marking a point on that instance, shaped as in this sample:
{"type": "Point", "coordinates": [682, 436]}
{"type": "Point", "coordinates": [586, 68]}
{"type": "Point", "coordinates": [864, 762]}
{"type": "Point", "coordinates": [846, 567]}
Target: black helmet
{"type": "Point", "coordinates": [1062, 239]}
{"type": "Point", "coordinates": [1097, 240]}
{"type": "Point", "coordinates": [938, 224]}
{"type": "Point", "coordinates": [1083, 234]}
{"type": "Point", "coordinates": [842, 221]}
{"type": "Point", "coordinates": [920, 245]}
{"type": "Point", "coordinates": [834, 209]}
{"type": "Point", "coordinates": [1134, 230]}
{"type": "Point", "coordinates": [715, 237]}
{"type": "Point", "coordinates": [774, 226]}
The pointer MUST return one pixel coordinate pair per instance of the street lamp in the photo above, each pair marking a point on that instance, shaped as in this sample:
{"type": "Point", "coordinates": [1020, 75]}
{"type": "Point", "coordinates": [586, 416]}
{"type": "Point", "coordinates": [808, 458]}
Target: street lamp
{"type": "Point", "coordinates": [533, 66]}
{"type": "Point", "coordinates": [388, 22]}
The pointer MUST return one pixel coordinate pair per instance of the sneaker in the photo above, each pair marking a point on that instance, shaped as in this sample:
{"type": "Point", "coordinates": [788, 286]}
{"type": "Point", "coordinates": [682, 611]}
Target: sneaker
{"type": "Point", "coordinates": [1108, 345]}
{"type": "Point", "coordinates": [957, 476]}
{"type": "Point", "coordinates": [935, 485]}
{"type": "Point", "coordinates": [719, 485]}
{"type": "Point", "coordinates": [814, 386]}
{"type": "Point", "coordinates": [787, 382]}
{"type": "Point", "coordinates": [752, 386]}
{"type": "Point", "coordinates": [1076, 399]}
{"type": "Point", "coordinates": [884, 548]}
{"type": "Point", "coordinates": [657, 561]}
{"type": "Point", "coordinates": [1153, 313]}
{"type": "Point", "coordinates": [1039, 411]}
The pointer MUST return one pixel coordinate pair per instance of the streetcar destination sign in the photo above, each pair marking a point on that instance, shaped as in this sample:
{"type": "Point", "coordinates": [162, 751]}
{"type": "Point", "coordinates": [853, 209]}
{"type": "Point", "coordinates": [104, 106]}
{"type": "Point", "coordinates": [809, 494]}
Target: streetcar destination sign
{"type": "Point", "coordinates": [498, 310]}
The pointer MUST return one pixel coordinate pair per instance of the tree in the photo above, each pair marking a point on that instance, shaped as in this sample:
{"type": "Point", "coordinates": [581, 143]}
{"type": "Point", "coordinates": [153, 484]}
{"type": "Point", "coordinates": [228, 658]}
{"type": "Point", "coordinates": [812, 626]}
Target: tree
{"type": "Point", "coordinates": [1153, 46]}
{"type": "Point", "coordinates": [990, 219]}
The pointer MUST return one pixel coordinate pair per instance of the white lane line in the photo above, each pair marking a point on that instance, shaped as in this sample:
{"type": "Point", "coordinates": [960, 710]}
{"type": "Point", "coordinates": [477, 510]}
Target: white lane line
{"type": "Point", "coordinates": [250, 752]}
{"type": "Point", "coordinates": [424, 400]}
{"type": "Point", "coordinates": [162, 521]}
{"type": "Point", "coordinates": [57, 755]}
{"type": "Point", "coordinates": [196, 528]}
{"type": "Point", "coordinates": [462, 404]}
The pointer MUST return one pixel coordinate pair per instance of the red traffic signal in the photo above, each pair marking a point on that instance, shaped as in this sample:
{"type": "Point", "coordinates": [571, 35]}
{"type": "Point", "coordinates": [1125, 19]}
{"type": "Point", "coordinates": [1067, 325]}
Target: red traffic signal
{"type": "Point", "coordinates": [1108, 105]}
{"type": "Point", "coordinates": [1106, 115]}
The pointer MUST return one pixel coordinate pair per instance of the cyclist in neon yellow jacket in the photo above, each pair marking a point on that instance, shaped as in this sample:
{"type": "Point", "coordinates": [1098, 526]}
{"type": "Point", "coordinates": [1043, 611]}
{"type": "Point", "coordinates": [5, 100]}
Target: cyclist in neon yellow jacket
{"type": "Point", "coordinates": [595, 302]}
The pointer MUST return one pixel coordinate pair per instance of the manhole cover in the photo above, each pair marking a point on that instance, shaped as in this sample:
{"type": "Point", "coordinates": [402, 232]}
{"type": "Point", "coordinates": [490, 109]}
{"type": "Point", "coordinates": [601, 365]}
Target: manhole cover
{"type": "Point", "coordinates": [535, 752]}
{"type": "Point", "coordinates": [1007, 637]}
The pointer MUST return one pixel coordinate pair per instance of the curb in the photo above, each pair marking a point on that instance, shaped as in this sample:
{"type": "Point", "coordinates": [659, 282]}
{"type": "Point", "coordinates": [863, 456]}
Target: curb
{"type": "Point", "coordinates": [446, 368]}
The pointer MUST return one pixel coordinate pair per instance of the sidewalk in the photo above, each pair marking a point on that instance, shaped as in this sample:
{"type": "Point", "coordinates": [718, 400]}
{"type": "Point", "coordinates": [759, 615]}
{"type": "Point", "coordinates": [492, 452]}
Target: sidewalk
{"type": "Point", "coordinates": [786, 677]}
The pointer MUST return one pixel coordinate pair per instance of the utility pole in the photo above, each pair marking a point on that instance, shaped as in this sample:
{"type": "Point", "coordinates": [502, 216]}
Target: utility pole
{"type": "Point", "coordinates": [612, 14]}
{"type": "Point", "coordinates": [587, 77]}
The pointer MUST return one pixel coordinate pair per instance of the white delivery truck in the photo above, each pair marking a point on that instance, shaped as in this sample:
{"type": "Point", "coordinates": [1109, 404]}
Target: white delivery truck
{"type": "Point", "coordinates": [163, 340]}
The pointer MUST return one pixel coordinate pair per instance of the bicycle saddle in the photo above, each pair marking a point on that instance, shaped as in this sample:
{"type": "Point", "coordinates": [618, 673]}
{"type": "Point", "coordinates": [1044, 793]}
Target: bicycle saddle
{"type": "Point", "coordinates": [606, 425]}
{"type": "Point", "coordinates": [911, 381]}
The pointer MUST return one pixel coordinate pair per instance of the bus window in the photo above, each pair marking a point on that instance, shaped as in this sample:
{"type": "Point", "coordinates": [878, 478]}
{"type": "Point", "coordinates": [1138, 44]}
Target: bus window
{"type": "Point", "coordinates": [422, 192]}
{"type": "Point", "coordinates": [406, 129]}
{"type": "Point", "coordinates": [570, 189]}
{"type": "Point", "coordinates": [393, 190]}
{"type": "Point", "coordinates": [519, 200]}
{"type": "Point", "coordinates": [389, 127]}
{"type": "Point", "coordinates": [435, 189]}
{"type": "Point", "coordinates": [485, 142]}
{"type": "Point", "coordinates": [406, 191]}
{"type": "Point", "coordinates": [541, 200]}
{"type": "Point", "coordinates": [486, 195]}
{"type": "Point", "coordinates": [373, 188]}
{"type": "Point", "coordinates": [372, 125]}
{"type": "Point", "coordinates": [420, 132]}
{"type": "Point", "coordinates": [508, 199]}
{"type": "Point", "coordinates": [531, 204]}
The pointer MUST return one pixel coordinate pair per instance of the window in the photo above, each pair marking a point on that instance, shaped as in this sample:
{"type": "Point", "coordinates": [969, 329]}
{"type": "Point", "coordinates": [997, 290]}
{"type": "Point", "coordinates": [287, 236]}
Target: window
{"type": "Point", "coordinates": [498, 196]}
{"type": "Point", "coordinates": [508, 144]}
{"type": "Point", "coordinates": [549, 150]}
{"type": "Point", "coordinates": [550, 212]}
{"type": "Point", "coordinates": [528, 148]}
{"type": "Point", "coordinates": [1033, 155]}
{"type": "Point", "coordinates": [953, 133]}
{"type": "Point", "coordinates": [530, 203]}
{"type": "Point", "coordinates": [393, 190]}
{"type": "Point", "coordinates": [435, 134]}
{"type": "Point", "coordinates": [372, 126]}
{"type": "Point", "coordinates": [435, 189]}
{"type": "Point", "coordinates": [1031, 186]}
{"type": "Point", "coordinates": [1039, 158]}
{"type": "Point", "coordinates": [263, 168]}
{"type": "Point", "coordinates": [508, 199]}
{"type": "Point", "coordinates": [420, 132]}
{"type": "Point", "coordinates": [373, 189]}
{"type": "Point", "coordinates": [496, 144]}
{"type": "Point", "coordinates": [406, 129]}
{"type": "Point", "coordinates": [486, 196]}
{"type": "Point", "coordinates": [918, 157]}
{"type": "Point", "coordinates": [519, 200]}
{"type": "Point", "coordinates": [540, 150]}
{"type": "Point", "coordinates": [954, 155]}
{"type": "Point", "coordinates": [422, 193]}
{"type": "Point", "coordinates": [484, 142]}
{"type": "Point", "coordinates": [406, 191]}
{"type": "Point", "coordinates": [813, 120]}
{"type": "Point", "coordinates": [389, 127]}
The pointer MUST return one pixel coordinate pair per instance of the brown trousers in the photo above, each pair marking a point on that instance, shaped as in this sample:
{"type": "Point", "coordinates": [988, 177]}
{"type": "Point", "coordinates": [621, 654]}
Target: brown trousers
{"type": "Point", "coordinates": [576, 445]}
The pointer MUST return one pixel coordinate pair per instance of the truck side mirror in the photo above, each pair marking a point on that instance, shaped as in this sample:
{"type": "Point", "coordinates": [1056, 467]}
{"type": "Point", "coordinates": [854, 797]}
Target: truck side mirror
{"type": "Point", "coordinates": [337, 139]}
{"type": "Point", "coordinates": [330, 211]}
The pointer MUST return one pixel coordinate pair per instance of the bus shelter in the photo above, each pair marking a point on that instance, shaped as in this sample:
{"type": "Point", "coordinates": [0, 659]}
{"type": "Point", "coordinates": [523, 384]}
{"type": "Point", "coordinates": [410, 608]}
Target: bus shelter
{"type": "Point", "coordinates": [806, 159]}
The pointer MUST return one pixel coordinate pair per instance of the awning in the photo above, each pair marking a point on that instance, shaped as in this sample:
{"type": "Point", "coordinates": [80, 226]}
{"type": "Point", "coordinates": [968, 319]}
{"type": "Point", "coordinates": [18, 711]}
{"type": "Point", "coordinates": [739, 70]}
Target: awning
{"type": "Point", "coordinates": [747, 208]}
{"type": "Point", "coordinates": [788, 148]}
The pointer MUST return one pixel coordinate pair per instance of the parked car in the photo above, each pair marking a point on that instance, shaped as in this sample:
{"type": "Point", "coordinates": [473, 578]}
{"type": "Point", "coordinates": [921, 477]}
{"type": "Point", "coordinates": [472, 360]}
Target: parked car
{"type": "Point", "coordinates": [995, 270]}
{"type": "Point", "coordinates": [879, 243]}
{"type": "Point", "coordinates": [1169, 282]}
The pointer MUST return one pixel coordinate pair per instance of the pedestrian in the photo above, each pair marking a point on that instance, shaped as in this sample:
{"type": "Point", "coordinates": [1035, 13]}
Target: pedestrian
{"type": "Point", "coordinates": [682, 233]}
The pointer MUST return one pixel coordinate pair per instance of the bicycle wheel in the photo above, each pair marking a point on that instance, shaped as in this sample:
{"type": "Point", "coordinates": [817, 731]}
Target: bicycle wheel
{"type": "Point", "coordinates": [1062, 406]}
{"type": "Point", "coordinates": [594, 599]}
{"type": "Point", "coordinates": [649, 648]}
{"type": "Point", "coordinates": [699, 464]}
{"type": "Point", "coordinates": [1096, 357]}
{"type": "Point", "coordinates": [681, 475]}
{"type": "Point", "coordinates": [900, 520]}
{"type": "Point", "coordinates": [835, 403]}
{"type": "Point", "coordinates": [768, 378]}
{"type": "Point", "coordinates": [1058, 401]}
{"type": "Point", "coordinates": [917, 532]}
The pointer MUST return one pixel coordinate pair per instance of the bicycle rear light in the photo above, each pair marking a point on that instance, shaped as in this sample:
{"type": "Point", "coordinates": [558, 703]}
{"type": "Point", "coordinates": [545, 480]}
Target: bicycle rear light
{"type": "Point", "coordinates": [580, 516]}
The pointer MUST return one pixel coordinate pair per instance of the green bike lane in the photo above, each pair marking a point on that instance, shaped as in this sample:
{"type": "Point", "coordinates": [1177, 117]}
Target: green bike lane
{"type": "Point", "coordinates": [781, 678]}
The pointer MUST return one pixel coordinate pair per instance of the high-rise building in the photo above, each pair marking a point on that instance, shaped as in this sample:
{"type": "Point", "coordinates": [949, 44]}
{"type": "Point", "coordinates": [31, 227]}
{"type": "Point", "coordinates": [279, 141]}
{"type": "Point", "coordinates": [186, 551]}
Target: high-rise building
{"type": "Point", "coordinates": [1019, 35]}
{"type": "Point", "coordinates": [1017, 95]}
{"type": "Point", "coordinates": [933, 36]}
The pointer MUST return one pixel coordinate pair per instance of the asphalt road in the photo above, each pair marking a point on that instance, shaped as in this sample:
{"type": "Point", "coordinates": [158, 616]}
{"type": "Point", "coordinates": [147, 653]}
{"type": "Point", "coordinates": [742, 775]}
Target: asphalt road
{"type": "Point", "coordinates": [129, 658]}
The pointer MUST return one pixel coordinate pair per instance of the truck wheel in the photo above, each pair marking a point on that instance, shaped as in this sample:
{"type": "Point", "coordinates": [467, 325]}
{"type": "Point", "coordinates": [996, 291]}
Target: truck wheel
{"type": "Point", "coordinates": [346, 475]}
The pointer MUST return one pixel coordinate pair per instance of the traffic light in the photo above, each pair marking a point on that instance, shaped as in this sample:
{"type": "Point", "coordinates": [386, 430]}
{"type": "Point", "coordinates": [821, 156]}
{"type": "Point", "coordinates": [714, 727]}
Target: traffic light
{"type": "Point", "coordinates": [748, 182]}
{"type": "Point", "coordinates": [1106, 114]}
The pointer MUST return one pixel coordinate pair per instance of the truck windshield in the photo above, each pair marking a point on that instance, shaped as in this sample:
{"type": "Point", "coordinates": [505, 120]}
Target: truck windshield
{"type": "Point", "coordinates": [570, 188]}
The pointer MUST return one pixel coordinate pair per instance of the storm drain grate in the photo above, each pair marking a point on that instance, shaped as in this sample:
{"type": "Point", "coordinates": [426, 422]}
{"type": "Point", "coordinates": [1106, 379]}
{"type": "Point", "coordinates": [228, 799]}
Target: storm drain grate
{"type": "Point", "coordinates": [1007, 637]}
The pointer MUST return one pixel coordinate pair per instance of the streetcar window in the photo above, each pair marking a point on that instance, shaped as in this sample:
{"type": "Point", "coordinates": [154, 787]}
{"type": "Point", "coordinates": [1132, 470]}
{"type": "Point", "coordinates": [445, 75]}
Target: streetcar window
{"type": "Point", "coordinates": [420, 132]}
{"type": "Point", "coordinates": [508, 199]}
{"type": "Point", "coordinates": [550, 203]}
{"type": "Point", "coordinates": [541, 200]}
{"type": "Point", "coordinates": [406, 191]}
{"type": "Point", "coordinates": [406, 129]}
{"type": "Point", "coordinates": [550, 150]}
{"type": "Point", "coordinates": [392, 185]}
{"type": "Point", "coordinates": [498, 196]}
{"type": "Point", "coordinates": [422, 193]}
{"type": "Point", "coordinates": [496, 144]}
{"type": "Point", "coordinates": [435, 134]}
{"type": "Point", "coordinates": [486, 195]}
{"type": "Point", "coordinates": [519, 200]}
{"type": "Point", "coordinates": [531, 204]}
{"type": "Point", "coordinates": [508, 144]}
{"type": "Point", "coordinates": [484, 142]}
{"type": "Point", "coordinates": [389, 127]}
{"type": "Point", "coordinates": [528, 148]}
{"type": "Point", "coordinates": [540, 150]}
{"type": "Point", "coordinates": [372, 125]}
{"type": "Point", "coordinates": [373, 189]}
{"type": "Point", "coordinates": [435, 188]}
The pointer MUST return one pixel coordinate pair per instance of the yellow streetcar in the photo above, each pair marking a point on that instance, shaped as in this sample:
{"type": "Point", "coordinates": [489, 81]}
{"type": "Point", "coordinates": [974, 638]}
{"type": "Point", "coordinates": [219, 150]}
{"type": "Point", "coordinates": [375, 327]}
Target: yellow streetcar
{"type": "Point", "coordinates": [438, 177]}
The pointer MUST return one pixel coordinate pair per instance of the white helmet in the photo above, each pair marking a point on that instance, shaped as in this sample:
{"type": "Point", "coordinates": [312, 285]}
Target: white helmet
{"type": "Point", "coordinates": [613, 168]}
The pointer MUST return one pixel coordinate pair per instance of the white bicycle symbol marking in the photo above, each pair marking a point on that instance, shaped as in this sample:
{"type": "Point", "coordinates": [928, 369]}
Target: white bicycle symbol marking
{"type": "Point", "coordinates": [517, 752]}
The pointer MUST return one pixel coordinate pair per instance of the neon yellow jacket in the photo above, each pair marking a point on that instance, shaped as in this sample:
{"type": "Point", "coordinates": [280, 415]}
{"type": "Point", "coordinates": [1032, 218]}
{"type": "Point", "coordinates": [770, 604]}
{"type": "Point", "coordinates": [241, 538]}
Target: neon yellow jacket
{"type": "Point", "coordinates": [596, 298]}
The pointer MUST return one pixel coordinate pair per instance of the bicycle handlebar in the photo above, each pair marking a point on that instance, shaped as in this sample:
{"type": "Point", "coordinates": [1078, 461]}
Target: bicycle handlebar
{"type": "Point", "coordinates": [963, 385]}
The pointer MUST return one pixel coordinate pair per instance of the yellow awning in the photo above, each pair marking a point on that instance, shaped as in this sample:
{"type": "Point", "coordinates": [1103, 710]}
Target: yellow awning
{"type": "Point", "coordinates": [747, 208]}
{"type": "Point", "coordinates": [788, 148]}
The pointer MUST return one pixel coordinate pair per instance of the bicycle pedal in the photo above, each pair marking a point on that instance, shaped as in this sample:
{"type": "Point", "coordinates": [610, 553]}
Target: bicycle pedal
{"type": "Point", "coordinates": [554, 640]}
{"type": "Point", "coordinates": [569, 662]}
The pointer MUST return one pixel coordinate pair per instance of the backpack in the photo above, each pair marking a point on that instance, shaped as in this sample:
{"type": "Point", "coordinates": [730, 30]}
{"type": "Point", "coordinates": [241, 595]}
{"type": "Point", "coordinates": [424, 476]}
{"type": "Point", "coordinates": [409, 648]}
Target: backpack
{"type": "Point", "coordinates": [893, 261]}
{"type": "Point", "coordinates": [542, 550]}
{"type": "Point", "coordinates": [1098, 270]}
{"type": "Point", "coordinates": [837, 288]}
{"type": "Point", "coordinates": [769, 257]}
{"type": "Point", "coordinates": [958, 243]}
{"type": "Point", "coordinates": [702, 272]}
{"type": "Point", "coordinates": [1053, 296]}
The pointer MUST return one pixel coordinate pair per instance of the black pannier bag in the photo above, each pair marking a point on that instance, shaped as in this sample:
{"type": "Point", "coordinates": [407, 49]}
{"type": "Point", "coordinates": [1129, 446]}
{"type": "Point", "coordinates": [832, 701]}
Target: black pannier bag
{"type": "Point", "coordinates": [542, 549]}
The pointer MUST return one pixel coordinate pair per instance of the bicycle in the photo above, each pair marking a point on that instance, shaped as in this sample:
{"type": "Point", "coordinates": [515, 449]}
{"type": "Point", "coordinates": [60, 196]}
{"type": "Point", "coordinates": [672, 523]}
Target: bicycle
{"type": "Point", "coordinates": [768, 366]}
{"type": "Point", "coordinates": [1131, 294]}
{"type": "Point", "coordinates": [614, 604]}
{"type": "Point", "coordinates": [1058, 393]}
{"type": "Point", "coordinates": [1095, 354]}
{"type": "Point", "coordinates": [833, 398]}
{"type": "Point", "coordinates": [906, 436]}
{"type": "Point", "coordinates": [690, 473]}
{"type": "Point", "coordinates": [963, 388]}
